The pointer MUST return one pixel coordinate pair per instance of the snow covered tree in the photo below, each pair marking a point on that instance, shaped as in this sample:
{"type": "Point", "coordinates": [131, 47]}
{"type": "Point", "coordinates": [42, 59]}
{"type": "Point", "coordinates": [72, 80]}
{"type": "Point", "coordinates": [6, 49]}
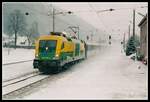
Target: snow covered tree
{"type": "Point", "coordinates": [16, 24]}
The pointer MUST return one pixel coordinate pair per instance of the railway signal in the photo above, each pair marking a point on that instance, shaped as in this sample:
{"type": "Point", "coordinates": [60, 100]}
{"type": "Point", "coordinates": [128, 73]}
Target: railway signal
{"type": "Point", "coordinates": [109, 37]}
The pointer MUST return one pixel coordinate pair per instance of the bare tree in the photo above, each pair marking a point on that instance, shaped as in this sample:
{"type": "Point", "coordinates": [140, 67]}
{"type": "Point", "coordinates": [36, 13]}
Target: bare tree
{"type": "Point", "coordinates": [35, 32]}
{"type": "Point", "coordinates": [28, 34]}
{"type": "Point", "coordinates": [16, 24]}
{"type": "Point", "coordinates": [32, 33]}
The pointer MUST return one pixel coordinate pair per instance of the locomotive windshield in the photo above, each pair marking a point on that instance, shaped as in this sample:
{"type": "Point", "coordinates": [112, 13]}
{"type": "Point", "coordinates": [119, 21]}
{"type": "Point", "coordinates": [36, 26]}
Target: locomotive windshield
{"type": "Point", "coordinates": [47, 45]}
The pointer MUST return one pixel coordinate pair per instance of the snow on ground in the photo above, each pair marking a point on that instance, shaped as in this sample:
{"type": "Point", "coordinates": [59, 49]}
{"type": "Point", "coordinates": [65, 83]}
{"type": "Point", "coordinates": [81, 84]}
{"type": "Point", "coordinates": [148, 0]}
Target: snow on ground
{"type": "Point", "coordinates": [107, 75]}
{"type": "Point", "coordinates": [16, 70]}
{"type": "Point", "coordinates": [14, 55]}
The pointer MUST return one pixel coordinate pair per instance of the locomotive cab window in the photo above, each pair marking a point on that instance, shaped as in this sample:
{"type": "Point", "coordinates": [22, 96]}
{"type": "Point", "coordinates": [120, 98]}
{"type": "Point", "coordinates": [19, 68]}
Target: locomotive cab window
{"type": "Point", "coordinates": [49, 45]}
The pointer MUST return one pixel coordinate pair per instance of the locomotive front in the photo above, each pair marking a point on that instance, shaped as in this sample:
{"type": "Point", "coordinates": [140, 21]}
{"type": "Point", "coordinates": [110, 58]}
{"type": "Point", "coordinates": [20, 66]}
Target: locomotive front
{"type": "Point", "coordinates": [47, 52]}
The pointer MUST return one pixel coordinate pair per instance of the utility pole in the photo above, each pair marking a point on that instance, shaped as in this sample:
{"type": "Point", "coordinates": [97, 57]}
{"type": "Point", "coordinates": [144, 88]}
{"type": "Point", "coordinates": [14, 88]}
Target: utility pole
{"type": "Point", "coordinates": [133, 23]}
{"type": "Point", "coordinates": [53, 19]}
{"type": "Point", "coordinates": [129, 32]}
{"type": "Point", "coordinates": [124, 42]}
{"type": "Point", "coordinates": [54, 13]}
{"type": "Point", "coordinates": [91, 35]}
{"type": "Point", "coordinates": [78, 32]}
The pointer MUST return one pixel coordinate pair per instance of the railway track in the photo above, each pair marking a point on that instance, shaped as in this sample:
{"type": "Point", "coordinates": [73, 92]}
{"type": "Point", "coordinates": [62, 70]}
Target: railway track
{"type": "Point", "coordinates": [17, 62]}
{"type": "Point", "coordinates": [15, 87]}
{"type": "Point", "coordinates": [18, 86]}
{"type": "Point", "coordinates": [19, 76]}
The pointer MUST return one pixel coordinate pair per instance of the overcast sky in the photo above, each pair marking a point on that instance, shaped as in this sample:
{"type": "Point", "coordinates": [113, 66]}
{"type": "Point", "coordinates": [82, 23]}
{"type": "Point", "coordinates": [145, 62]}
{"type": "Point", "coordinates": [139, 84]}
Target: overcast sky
{"type": "Point", "coordinates": [110, 21]}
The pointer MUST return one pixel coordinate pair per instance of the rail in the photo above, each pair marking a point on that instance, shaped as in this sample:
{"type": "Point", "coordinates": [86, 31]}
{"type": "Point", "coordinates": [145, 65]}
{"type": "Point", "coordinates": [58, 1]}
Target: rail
{"type": "Point", "coordinates": [17, 62]}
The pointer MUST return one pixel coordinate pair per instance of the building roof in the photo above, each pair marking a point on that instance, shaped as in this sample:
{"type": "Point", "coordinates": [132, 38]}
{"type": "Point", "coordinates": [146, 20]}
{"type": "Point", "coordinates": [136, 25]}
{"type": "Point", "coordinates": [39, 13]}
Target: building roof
{"type": "Point", "coordinates": [143, 20]}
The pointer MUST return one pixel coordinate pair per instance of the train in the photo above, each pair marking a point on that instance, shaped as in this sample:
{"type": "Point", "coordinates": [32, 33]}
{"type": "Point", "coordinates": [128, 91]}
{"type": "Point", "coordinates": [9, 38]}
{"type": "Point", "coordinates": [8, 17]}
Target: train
{"type": "Point", "coordinates": [56, 50]}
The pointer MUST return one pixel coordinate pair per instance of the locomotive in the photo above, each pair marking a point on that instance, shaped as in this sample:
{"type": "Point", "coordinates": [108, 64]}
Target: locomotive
{"type": "Point", "coordinates": [54, 51]}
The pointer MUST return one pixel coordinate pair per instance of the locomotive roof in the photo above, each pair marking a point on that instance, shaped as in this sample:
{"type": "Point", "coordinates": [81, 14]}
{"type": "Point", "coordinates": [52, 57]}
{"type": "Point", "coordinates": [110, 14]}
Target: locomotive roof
{"type": "Point", "coordinates": [59, 35]}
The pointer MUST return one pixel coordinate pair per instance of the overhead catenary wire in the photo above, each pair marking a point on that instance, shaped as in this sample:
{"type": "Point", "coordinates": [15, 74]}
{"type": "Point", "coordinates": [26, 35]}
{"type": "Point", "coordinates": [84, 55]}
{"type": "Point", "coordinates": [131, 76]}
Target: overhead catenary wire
{"type": "Point", "coordinates": [112, 9]}
{"type": "Point", "coordinates": [33, 12]}
{"type": "Point", "coordinates": [99, 18]}
{"type": "Point", "coordinates": [48, 13]}
{"type": "Point", "coordinates": [96, 11]}
{"type": "Point", "coordinates": [82, 11]}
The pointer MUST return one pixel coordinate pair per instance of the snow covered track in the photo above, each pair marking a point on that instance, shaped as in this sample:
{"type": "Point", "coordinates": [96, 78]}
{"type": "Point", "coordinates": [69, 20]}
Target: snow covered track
{"type": "Point", "coordinates": [19, 79]}
{"type": "Point", "coordinates": [17, 87]}
{"type": "Point", "coordinates": [20, 76]}
{"type": "Point", "coordinates": [17, 62]}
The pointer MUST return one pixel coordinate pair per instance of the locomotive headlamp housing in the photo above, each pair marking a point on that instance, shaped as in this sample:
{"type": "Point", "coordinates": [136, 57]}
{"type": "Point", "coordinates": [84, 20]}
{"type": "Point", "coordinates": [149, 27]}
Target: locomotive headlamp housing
{"type": "Point", "coordinates": [36, 56]}
{"type": "Point", "coordinates": [56, 56]}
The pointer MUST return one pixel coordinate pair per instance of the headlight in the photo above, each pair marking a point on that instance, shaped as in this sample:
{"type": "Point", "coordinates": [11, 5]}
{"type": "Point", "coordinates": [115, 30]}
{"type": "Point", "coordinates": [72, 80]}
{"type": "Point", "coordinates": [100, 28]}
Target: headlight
{"type": "Point", "coordinates": [56, 55]}
{"type": "Point", "coordinates": [36, 56]}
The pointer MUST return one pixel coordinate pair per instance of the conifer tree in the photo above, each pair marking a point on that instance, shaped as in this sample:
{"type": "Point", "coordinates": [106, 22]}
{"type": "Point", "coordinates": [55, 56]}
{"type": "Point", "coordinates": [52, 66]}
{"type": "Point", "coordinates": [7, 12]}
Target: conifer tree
{"type": "Point", "coordinates": [130, 48]}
